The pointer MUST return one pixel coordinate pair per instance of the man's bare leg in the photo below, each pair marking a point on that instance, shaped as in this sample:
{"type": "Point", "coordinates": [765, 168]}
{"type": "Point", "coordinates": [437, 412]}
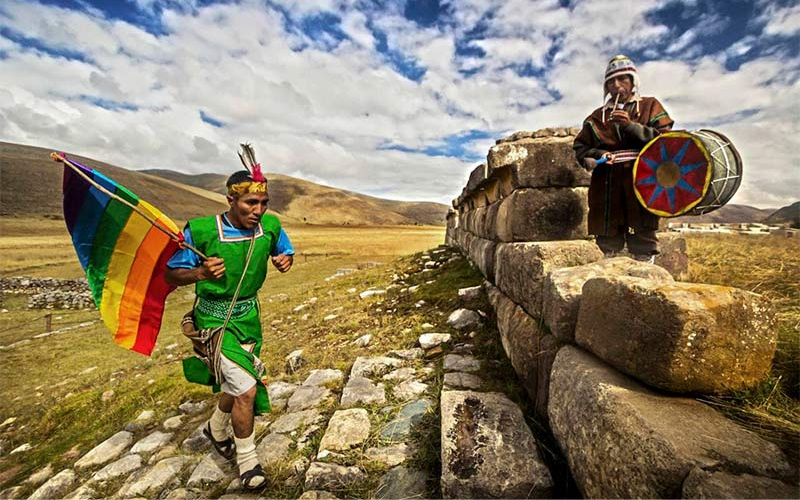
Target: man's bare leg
{"type": "Point", "coordinates": [242, 414]}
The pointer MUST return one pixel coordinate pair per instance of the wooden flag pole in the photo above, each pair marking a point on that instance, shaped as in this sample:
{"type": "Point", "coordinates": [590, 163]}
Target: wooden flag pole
{"type": "Point", "coordinates": [173, 236]}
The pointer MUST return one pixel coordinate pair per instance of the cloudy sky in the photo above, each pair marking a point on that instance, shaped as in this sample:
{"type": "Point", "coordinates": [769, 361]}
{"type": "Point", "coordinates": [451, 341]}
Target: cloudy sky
{"type": "Point", "coordinates": [391, 98]}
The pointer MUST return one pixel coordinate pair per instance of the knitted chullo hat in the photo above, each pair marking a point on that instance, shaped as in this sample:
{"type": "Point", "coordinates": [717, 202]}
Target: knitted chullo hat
{"type": "Point", "coordinates": [621, 65]}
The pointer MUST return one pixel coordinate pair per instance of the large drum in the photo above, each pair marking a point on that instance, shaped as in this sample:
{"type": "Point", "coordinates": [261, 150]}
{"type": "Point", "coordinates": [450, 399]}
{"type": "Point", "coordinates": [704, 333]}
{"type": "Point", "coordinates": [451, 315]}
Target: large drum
{"type": "Point", "coordinates": [686, 173]}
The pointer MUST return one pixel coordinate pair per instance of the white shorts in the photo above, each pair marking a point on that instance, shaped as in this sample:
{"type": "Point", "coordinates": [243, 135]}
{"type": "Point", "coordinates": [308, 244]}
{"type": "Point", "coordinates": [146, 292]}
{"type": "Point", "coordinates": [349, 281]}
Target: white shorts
{"type": "Point", "coordinates": [235, 381]}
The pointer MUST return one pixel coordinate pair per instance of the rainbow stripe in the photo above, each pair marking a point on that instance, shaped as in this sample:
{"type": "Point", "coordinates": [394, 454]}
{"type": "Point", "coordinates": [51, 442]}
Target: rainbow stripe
{"type": "Point", "coordinates": [123, 255]}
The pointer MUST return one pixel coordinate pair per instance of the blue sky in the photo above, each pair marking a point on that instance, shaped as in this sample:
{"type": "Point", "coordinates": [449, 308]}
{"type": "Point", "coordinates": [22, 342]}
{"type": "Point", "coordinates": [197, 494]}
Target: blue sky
{"type": "Point", "coordinates": [398, 99]}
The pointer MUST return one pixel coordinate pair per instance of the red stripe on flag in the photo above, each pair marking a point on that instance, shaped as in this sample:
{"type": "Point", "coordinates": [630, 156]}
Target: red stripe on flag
{"type": "Point", "coordinates": [153, 308]}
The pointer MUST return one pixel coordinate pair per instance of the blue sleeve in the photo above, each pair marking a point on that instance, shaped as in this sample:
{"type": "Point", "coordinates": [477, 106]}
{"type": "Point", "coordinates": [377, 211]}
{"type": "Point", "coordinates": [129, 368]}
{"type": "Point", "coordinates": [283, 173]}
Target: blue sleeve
{"type": "Point", "coordinates": [283, 246]}
{"type": "Point", "coordinates": [183, 257]}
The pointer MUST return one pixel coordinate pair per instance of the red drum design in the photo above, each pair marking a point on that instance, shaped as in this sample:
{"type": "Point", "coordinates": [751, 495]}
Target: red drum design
{"type": "Point", "coordinates": [686, 173]}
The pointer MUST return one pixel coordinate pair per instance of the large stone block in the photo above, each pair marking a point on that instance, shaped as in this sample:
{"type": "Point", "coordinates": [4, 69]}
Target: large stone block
{"type": "Point", "coordinates": [543, 214]}
{"type": "Point", "coordinates": [538, 163]}
{"type": "Point", "coordinates": [563, 287]}
{"type": "Point", "coordinates": [487, 449]}
{"type": "Point", "coordinates": [520, 268]}
{"type": "Point", "coordinates": [490, 224]}
{"type": "Point", "coordinates": [481, 253]}
{"type": "Point", "coordinates": [622, 440]}
{"type": "Point", "coordinates": [480, 222]}
{"type": "Point", "coordinates": [476, 177]}
{"type": "Point", "coordinates": [682, 337]}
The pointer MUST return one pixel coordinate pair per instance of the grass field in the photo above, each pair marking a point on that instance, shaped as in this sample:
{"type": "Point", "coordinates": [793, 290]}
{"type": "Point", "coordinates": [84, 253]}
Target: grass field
{"type": "Point", "coordinates": [52, 395]}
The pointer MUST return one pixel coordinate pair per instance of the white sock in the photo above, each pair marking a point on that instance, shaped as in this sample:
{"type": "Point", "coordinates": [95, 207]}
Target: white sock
{"type": "Point", "coordinates": [246, 456]}
{"type": "Point", "coordinates": [219, 424]}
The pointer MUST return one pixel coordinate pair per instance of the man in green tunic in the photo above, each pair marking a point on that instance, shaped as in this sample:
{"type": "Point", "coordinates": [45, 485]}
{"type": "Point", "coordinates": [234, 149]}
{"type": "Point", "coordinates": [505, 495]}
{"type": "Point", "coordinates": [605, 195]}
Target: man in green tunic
{"type": "Point", "coordinates": [226, 240]}
{"type": "Point", "coordinates": [615, 133]}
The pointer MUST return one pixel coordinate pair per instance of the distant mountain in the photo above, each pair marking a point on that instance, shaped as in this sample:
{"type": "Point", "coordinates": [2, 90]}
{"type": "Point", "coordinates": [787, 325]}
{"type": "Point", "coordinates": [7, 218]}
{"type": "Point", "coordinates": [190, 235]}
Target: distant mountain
{"type": "Point", "coordinates": [31, 186]}
{"type": "Point", "coordinates": [728, 214]}
{"type": "Point", "coordinates": [317, 204]}
{"type": "Point", "coordinates": [786, 215]}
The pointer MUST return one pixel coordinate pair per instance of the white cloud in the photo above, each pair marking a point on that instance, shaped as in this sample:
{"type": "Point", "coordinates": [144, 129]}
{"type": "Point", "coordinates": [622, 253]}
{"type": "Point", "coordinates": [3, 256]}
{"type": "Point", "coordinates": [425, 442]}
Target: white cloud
{"type": "Point", "coordinates": [327, 109]}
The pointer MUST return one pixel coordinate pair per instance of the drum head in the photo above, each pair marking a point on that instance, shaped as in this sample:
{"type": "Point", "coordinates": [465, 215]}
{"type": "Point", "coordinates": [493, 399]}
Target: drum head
{"type": "Point", "coordinates": [672, 173]}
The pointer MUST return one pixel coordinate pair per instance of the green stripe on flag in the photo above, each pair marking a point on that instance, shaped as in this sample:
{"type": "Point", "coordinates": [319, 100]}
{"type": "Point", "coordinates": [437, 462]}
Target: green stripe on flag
{"type": "Point", "coordinates": [111, 224]}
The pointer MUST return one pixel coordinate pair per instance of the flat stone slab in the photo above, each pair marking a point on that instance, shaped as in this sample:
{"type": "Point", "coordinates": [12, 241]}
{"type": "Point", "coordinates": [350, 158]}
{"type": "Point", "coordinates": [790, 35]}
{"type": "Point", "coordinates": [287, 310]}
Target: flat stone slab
{"type": "Point", "coordinates": [461, 363]}
{"type": "Point", "coordinates": [151, 482]}
{"type": "Point", "coordinates": [324, 476]}
{"type": "Point", "coordinates": [429, 340]}
{"type": "Point", "coordinates": [308, 396]}
{"type": "Point", "coordinates": [719, 484]}
{"type": "Point", "coordinates": [212, 470]}
{"type": "Point", "coordinates": [293, 421]}
{"type": "Point", "coordinates": [622, 440]}
{"type": "Point", "coordinates": [373, 367]}
{"type": "Point", "coordinates": [193, 407]}
{"type": "Point", "coordinates": [121, 467]}
{"type": "Point", "coordinates": [346, 429]}
{"type": "Point", "coordinates": [409, 389]}
{"type": "Point", "coordinates": [152, 442]}
{"type": "Point", "coordinates": [461, 380]}
{"type": "Point", "coordinates": [537, 163]}
{"type": "Point", "coordinates": [470, 294]}
{"type": "Point", "coordinates": [273, 448]}
{"type": "Point", "coordinates": [487, 449]}
{"type": "Point", "coordinates": [563, 289]}
{"type": "Point", "coordinates": [326, 376]}
{"type": "Point", "coordinates": [360, 390]}
{"type": "Point", "coordinates": [522, 267]}
{"type": "Point", "coordinates": [408, 416]}
{"type": "Point", "coordinates": [413, 353]}
{"type": "Point", "coordinates": [402, 482]}
{"type": "Point", "coordinates": [281, 390]}
{"type": "Point", "coordinates": [173, 423]}
{"type": "Point", "coordinates": [106, 451]}
{"type": "Point", "coordinates": [56, 486]}
{"type": "Point", "coordinates": [686, 337]}
{"type": "Point", "coordinates": [389, 455]}
{"type": "Point", "coordinates": [197, 442]}
{"type": "Point", "coordinates": [400, 374]}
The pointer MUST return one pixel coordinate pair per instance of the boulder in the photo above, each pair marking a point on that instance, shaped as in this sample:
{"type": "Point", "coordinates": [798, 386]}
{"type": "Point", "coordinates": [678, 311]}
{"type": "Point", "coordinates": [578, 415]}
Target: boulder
{"type": "Point", "coordinates": [623, 440]}
{"type": "Point", "coordinates": [538, 163]}
{"type": "Point", "coordinates": [543, 214]}
{"type": "Point", "coordinates": [563, 288]}
{"type": "Point", "coordinates": [520, 268]}
{"type": "Point", "coordinates": [487, 449]}
{"type": "Point", "coordinates": [681, 337]}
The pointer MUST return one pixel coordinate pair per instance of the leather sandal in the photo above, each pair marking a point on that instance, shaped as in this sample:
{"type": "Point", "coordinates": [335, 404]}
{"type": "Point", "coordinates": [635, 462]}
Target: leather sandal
{"type": "Point", "coordinates": [225, 448]}
{"type": "Point", "coordinates": [248, 478]}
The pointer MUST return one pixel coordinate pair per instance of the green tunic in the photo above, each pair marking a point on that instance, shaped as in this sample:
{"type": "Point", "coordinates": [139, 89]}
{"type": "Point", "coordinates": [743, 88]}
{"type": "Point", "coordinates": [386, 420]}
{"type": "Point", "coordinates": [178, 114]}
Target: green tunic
{"type": "Point", "coordinates": [242, 340]}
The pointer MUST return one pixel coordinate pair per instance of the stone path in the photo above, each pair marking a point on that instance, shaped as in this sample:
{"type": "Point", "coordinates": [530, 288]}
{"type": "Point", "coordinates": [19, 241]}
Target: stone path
{"type": "Point", "coordinates": [334, 435]}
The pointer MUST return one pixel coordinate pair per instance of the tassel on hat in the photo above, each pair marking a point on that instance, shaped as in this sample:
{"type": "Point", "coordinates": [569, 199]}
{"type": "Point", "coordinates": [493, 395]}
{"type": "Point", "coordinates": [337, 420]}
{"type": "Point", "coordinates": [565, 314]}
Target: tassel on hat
{"type": "Point", "coordinates": [621, 65]}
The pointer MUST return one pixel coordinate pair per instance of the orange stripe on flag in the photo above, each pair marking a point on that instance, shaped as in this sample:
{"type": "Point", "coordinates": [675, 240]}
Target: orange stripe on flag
{"type": "Point", "coordinates": [133, 298]}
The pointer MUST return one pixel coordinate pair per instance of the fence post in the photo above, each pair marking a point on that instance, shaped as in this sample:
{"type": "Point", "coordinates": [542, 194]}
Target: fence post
{"type": "Point", "coordinates": [48, 322]}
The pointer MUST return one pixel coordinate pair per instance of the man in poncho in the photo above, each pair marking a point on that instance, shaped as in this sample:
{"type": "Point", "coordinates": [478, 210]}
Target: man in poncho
{"type": "Point", "coordinates": [237, 370]}
{"type": "Point", "coordinates": [616, 132]}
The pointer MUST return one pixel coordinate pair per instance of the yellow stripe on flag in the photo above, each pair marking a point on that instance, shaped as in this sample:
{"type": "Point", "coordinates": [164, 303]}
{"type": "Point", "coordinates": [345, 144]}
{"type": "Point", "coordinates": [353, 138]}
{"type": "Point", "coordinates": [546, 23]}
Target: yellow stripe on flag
{"type": "Point", "coordinates": [119, 267]}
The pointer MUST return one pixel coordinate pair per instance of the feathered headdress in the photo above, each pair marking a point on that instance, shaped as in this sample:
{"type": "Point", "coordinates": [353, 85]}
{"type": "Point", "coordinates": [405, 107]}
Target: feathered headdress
{"type": "Point", "coordinates": [248, 157]}
{"type": "Point", "coordinates": [257, 183]}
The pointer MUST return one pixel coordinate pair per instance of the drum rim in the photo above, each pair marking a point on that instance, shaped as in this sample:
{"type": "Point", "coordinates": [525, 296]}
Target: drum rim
{"type": "Point", "coordinates": [706, 183]}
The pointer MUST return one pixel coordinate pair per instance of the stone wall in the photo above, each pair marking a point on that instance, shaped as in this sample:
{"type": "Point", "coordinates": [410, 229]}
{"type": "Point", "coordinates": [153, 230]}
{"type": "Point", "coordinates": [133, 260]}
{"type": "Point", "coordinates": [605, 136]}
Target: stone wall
{"type": "Point", "coordinates": [611, 351]}
{"type": "Point", "coordinates": [50, 293]}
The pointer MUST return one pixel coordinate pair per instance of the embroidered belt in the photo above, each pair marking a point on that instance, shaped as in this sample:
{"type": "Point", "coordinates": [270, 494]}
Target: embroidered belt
{"type": "Point", "coordinates": [218, 308]}
{"type": "Point", "coordinates": [624, 155]}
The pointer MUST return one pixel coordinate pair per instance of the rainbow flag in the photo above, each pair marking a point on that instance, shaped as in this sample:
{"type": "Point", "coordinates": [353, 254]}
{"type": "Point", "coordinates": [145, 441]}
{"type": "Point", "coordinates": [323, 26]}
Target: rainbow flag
{"type": "Point", "coordinates": [123, 254]}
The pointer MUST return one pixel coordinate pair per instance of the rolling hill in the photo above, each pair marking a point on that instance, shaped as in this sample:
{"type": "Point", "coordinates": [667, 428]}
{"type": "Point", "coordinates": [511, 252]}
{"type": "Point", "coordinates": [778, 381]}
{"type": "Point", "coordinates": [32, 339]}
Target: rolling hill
{"type": "Point", "coordinates": [786, 215]}
{"type": "Point", "coordinates": [30, 185]}
{"type": "Point", "coordinates": [729, 214]}
{"type": "Point", "coordinates": [317, 204]}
